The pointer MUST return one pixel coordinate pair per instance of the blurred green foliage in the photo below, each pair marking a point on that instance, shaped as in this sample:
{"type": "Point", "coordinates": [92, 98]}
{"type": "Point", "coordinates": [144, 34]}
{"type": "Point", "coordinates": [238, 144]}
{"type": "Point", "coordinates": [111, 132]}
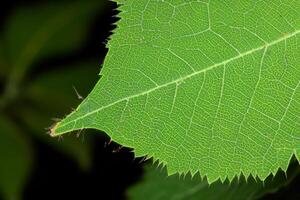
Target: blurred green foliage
{"type": "Point", "coordinates": [28, 102]}
{"type": "Point", "coordinates": [15, 156]}
{"type": "Point", "coordinates": [156, 185]}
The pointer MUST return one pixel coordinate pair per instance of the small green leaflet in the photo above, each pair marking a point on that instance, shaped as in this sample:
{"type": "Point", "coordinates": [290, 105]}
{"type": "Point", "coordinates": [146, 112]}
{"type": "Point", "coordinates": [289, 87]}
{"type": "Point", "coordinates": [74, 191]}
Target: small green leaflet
{"type": "Point", "coordinates": [208, 86]}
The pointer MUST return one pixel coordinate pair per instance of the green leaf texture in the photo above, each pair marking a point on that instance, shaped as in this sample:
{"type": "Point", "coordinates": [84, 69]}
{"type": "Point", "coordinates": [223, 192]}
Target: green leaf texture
{"type": "Point", "coordinates": [208, 86]}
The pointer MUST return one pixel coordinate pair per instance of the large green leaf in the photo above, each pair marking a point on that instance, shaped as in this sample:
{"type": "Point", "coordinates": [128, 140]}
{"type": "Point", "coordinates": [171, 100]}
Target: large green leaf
{"type": "Point", "coordinates": [15, 160]}
{"type": "Point", "coordinates": [209, 86]}
{"type": "Point", "coordinates": [157, 186]}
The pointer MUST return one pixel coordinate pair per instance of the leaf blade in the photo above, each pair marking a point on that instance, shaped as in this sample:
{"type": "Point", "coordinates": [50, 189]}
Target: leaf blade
{"type": "Point", "coordinates": [200, 100]}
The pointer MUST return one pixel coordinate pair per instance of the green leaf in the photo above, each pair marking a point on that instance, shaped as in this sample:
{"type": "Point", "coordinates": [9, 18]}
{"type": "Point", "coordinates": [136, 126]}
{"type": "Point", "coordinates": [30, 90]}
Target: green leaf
{"type": "Point", "coordinates": [208, 86]}
{"type": "Point", "coordinates": [15, 160]}
{"type": "Point", "coordinates": [156, 185]}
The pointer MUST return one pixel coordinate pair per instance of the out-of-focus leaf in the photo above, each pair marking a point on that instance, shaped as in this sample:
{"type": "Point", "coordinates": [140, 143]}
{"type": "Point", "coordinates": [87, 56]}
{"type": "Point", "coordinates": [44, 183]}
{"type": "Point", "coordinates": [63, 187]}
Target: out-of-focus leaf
{"type": "Point", "coordinates": [3, 62]}
{"type": "Point", "coordinates": [52, 94]}
{"type": "Point", "coordinates": [157, 186]}
{"type": "Point", "coordinates": [78, 148]}
{"type": "Point", "coordinates": [55, 90]}
{"type": "Point", "coordinates": [35, 32]}
{"type": "Point", "coordinates": [15, 160]}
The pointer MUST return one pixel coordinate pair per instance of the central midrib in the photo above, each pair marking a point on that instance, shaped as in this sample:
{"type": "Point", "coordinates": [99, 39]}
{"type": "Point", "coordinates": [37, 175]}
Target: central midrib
{"type": "Point", "coordinates": [285, 37]}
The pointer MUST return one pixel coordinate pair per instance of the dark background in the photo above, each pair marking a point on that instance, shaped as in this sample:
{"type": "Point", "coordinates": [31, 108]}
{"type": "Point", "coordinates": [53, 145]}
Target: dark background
{"type": "Point", "coordinates": [56, 176]}
{"type": "Point", "coordinates": [114, 169]}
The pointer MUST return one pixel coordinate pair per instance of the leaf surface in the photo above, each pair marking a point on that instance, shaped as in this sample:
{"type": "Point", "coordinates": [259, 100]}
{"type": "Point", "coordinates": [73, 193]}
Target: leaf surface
{"type": "Point", "coordinates": [209, 86]}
